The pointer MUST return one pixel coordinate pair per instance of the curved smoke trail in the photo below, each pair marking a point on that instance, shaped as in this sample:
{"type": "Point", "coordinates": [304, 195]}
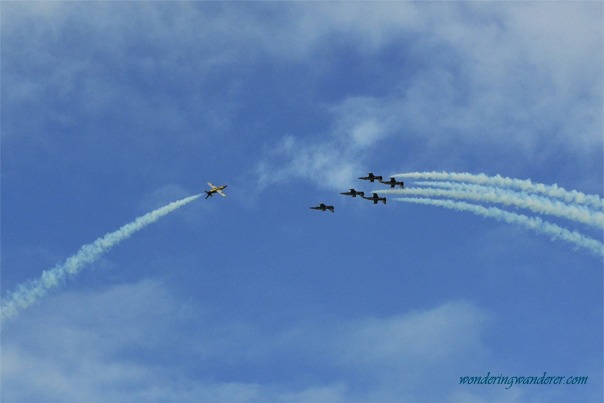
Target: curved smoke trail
{"type": "Point", "coordinates": [553, 191]}
{"type": "Point", "coordinates": [534, 223]}
{"type": "Point", "coordinates": [28, 293]}
{"type": "Point", "coordinates": [489, 194]}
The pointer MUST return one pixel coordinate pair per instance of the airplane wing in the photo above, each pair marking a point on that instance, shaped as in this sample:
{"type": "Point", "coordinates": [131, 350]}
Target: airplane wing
{"type": "Point", "coordinates": [211, 185]}
{"type": "Point", "coordinates": [220, 193]}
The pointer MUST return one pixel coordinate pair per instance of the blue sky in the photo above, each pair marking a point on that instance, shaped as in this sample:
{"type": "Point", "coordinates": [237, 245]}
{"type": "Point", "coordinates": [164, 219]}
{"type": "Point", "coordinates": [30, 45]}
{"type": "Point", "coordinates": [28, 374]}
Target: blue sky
{"type": "Point", "coordinates": [113, 109]}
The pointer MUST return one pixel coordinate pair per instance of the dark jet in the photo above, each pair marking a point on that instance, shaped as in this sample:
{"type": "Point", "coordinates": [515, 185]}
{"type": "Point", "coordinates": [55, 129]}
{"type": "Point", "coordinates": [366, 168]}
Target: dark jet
{"type": "Point", "coordinates": [375, 198]}
{"type": "Point", "coordinates": [323, 207]}
{"type": "Point", "coordinates": [371, 177]}
{"type": "Point", "coordinates": [393, 182]}
{"type": "Point", "coordinates": [353, 193]}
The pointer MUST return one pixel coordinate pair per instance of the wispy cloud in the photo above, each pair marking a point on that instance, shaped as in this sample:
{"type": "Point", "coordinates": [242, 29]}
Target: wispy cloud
{"type": "Point", "coordinates": [329, 161]}
{"type": "Point", "coordinates": [110, 328]}
{"type": "Point", "coordinates": [460, 82]}
{"type": "Point", "coordinates": [463, 87]}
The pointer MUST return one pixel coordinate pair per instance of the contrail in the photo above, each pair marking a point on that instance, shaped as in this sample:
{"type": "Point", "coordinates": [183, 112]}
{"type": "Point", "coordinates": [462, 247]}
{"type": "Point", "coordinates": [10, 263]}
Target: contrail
{"type": "Point", "coordinates": [534, 223]}
{"type": "Point", "coordinates": [28, 293]}
{"type": "Point", "coordinates": [489, 194]}
{"type": "Point", "coordinates": [553, 191]}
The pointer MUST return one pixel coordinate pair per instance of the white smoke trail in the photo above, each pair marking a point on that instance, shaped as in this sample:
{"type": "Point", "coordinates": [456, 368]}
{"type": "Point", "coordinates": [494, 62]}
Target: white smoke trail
{"type": "Point", "coordinates": [28, 293]}
{"type": "Point", "coordinates": [506, 197]}
{"type": "Point", "coordinates": [534, 223]}
{"type": "Point", "coordinates": [553, 191]}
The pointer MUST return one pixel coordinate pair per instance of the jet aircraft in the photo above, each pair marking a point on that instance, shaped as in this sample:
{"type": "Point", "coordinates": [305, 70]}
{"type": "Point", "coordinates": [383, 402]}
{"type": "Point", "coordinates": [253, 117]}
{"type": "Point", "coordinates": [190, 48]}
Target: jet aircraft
{"type": "Point", "coordinates": [375, 198]}
{"type": "Point", "coordinates": [393, 182]}
{"type": "Point", "coordinates": [371, 177]}
{"type": "Point", "coordinates": [215, 189]}
{"type": "Point", "coordinates": [323, 207]}
{"type": "Point", "coordinates": [353, 193]}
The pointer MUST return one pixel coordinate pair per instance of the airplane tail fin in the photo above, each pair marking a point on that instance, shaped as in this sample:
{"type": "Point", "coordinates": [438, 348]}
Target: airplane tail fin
{"type": "Point", "coordinates": [208, 194]}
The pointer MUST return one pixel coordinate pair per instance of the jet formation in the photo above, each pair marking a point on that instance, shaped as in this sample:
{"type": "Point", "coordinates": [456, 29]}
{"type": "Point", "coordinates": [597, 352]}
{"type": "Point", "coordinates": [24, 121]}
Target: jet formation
{"type": "Point", "coordinates": [375, 198]}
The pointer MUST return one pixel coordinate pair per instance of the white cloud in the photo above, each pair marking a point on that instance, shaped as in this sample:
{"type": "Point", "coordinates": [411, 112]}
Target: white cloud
{"type": "Point", "coordinates": [427, 336]}
{"type": "Point", "coordinates": [366, 133]}
{"type": "Point", "coordinates": [508, 86]}
{"type": "Point", "coordinates": [137, 341]}
{"type": "Point", "coordinates": [521, 81]}
{"type": "Point", "coordinates": [333, 160]}
{"type": "Point", "coordinates": [514, 79]}
{"type": "Point", "coordinates": [329, 164]}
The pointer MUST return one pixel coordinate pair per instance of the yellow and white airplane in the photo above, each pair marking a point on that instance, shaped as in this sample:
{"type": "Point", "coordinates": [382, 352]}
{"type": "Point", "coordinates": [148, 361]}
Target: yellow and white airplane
{"type": "Point", "coordinates": [215, 189]}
